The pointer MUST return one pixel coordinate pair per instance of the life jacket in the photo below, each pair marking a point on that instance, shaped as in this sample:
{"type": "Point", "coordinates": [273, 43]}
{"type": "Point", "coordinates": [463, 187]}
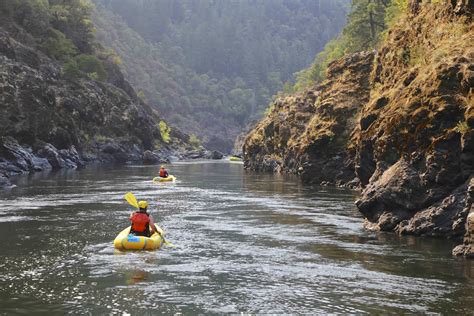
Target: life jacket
{"type": "Point", "coordinates": [140, 221]}
{"type": "Point", "coordinates": [163, 173]}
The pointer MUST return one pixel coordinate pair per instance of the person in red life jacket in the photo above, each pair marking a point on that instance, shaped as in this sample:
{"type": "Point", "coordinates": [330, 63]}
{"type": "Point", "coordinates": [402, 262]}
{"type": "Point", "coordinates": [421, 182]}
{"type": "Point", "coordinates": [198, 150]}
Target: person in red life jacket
{"type": "Point", "coordinates": [163, 172]}
{"type": "Point", "coordinates": [142, 221]}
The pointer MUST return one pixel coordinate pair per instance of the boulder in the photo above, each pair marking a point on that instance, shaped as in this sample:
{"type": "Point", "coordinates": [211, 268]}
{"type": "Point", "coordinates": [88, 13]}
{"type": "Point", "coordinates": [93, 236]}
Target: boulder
{"type": "Point", "coordinates": [4, 182]}
{"type": "Point", "coordinates": [16, 154]}
{"type": "Point", "coordinates": [466, 249]}
{"type": "Point", "coordinates": [40, 164]}
{"type": "Point", "coordinates": [195, 154]}
{"type": "Point", "coordinates": [57, 159]}
{"type": "Point", "coordinates": [150, 157]}
{"type": "Point", "coordinates": [399, 190]}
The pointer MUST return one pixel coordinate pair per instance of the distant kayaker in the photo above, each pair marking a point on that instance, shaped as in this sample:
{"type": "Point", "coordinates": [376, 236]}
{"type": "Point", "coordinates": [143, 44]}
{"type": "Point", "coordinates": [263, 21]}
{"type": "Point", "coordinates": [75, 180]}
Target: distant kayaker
{"type": "Point", "coordinates": [142, 221]}
{"type": "Point", "coordinates": [163, 172]}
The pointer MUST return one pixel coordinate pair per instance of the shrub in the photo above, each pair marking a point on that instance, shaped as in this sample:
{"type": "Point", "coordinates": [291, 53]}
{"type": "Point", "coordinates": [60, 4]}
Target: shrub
{"type": "Point", "coordinates": [141, 95]}
{"type": "Point", "coordinates": [165, 131]}
{"type": "Point", "coordinates": [71, 70]}
{"type": "Point", "coordinates": [58, 46]}
{"type": "Point", "coordinates": [90, 64]}
{"type": "Point", "coordinates": [269, 109]}
{"type": "Point", "coordinates": [194, 141]}
{"type": "Point", "coordinates": [462, 127]}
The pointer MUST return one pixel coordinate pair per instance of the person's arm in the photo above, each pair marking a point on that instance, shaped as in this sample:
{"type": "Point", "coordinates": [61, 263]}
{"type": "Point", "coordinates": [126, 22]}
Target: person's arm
{"type": "Point", "coordinates": [152, 225]}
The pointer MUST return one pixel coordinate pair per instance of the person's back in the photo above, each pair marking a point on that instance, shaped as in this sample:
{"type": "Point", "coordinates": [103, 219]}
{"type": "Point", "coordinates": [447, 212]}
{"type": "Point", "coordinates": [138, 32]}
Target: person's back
{"type": "Point", "coordinates": [163, 172]}
{"type": "Point", "coordinates": [141, 221]}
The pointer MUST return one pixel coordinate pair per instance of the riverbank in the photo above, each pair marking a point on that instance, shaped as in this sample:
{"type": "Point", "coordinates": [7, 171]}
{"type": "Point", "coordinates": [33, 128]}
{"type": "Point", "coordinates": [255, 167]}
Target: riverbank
{"type": "Point", "coordinates": [16, 159]}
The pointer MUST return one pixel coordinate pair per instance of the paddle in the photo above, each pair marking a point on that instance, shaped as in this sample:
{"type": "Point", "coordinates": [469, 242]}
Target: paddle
{"type": "Point", "coordinates": [132, 200]}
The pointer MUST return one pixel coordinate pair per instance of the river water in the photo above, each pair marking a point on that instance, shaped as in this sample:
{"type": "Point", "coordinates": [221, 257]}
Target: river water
{"type": "Point", "coordinates": [246, 243]}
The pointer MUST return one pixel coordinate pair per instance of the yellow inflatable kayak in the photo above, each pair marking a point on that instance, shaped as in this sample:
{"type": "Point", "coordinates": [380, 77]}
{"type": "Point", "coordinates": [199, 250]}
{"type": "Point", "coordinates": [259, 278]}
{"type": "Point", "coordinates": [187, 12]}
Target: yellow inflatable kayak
{"type": "Point", "coordinates": [234, 158]}
{"type": "Point", "coordinates": [167, 179]}
{"type": "Point", "coordinates": [125, 241]}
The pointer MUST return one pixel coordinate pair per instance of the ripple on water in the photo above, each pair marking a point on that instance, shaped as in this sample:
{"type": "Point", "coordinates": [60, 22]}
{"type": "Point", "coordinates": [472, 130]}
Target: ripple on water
{"type": "Point", "coordinates": [246, 243]}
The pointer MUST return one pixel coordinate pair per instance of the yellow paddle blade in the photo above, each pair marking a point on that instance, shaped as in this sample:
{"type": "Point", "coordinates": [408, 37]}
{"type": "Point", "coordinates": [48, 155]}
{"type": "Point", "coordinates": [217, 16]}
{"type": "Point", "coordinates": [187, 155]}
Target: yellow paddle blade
{"type": "Point", "coordinates": [167, 243]}
{"type": "Point", "coordinates": [131, 199]}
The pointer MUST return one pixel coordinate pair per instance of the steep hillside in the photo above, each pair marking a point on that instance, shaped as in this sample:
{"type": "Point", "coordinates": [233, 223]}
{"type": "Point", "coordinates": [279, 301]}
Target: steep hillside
{"type": "Point", "coordinates": [211, 67]}
{"type": "Point", "coordinates": [307, 133]}
{"type": "Point", "coordinates": [415, 150]}
{"type": "Point", "coordinates": [187, 99]}
{"type": "Point", "coordinates": [56, 112]}
{"type": "Point", "coordinates": [404, 131]}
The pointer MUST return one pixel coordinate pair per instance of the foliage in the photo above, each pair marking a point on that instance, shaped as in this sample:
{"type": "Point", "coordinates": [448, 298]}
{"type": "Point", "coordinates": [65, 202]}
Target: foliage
{"type": "Point", "coordinates": [72, 17]}
{"type": "Point", "coordinates": [462, 127]}
{"type": "Point", "coordinates": [32, 15]}
{"type": "Point", "coordinates": [71, 70]}
{"type": "Point", "coordinates": [165, 131]}
{"type": "Point", "coordinates": [110, 55]}
{"type": "Point", "coordinates": [269, 109]}
{"type": "Point", "coordinates": [215, 63]}
{"type": "Point", "coordinates": [366, 26]}
{"type": "Point", "coordinates": [194, 141]}
{"type": "Point", "coordinates": [91, 66]}
{"type": "Point", "coordinates": [394, 11]}
{"type": "Point", "coordinates": [63, 30]}
{"type": "Point", "coordinates": [58, 46]}
{"type": "Point", "coordinates": [141, 95]}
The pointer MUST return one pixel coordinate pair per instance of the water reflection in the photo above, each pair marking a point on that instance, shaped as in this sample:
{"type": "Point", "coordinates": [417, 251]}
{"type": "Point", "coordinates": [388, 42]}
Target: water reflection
{"type": "Point", "coordinates": [135, 276]}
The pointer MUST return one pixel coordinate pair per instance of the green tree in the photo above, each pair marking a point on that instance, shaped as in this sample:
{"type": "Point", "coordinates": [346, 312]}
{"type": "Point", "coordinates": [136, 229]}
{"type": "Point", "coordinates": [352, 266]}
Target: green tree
{"type": "Point", "coordinates": [58, 46]}
{"type": "Point", "coordinates": [71, 70]}
{"type": "Point", "coordinates": [90, 64]}
{"type": "Point", "coordinates": [72, 17]}
{"type": "Point", "coordinates": [366, 23]}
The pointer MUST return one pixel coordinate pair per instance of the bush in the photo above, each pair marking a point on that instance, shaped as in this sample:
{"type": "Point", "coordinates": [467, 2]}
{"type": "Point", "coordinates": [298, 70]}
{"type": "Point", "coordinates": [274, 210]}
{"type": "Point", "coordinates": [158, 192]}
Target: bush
{"type": "Point", "coordinates": [462, 127]}
{"type": "Point", "coordinates": [58, 46]}
{"type": "Point", "coordinates": [195, 141]}
{"type": "Point", "coordinates": [71, 70]}
{"type": "Point", "coordinates": [33, 15]}
{"type": "Point", "coordinates": [90, 64]}
{"type": "Point", "coordinates": [165, 131]}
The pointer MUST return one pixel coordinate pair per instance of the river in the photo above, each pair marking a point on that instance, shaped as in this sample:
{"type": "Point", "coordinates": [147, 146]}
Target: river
{"type": "Point", "coordinates": [246, 243]}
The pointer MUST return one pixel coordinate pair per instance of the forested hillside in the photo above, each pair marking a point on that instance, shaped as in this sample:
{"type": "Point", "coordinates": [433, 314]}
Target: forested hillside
{"type": "Point", "coordinates": [63, 98]}
{"type": "Point", "coordinates": [212, 66]}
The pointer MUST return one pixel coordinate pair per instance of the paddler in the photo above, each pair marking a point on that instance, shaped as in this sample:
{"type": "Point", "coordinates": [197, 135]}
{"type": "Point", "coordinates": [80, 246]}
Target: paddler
{"type": "Point", "coordinates": [142, 221]}
{"type": "Point", "coordinates": [163, 172]}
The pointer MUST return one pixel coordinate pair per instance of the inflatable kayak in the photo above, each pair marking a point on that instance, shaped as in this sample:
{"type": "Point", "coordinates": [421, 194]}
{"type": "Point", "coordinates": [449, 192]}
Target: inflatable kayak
{"type": "Point", "coordinates": [233, 158]}
{"type": "Point", "coordinates": [125, 241]}
{"type": "Point", "coordinates": [167, 179]}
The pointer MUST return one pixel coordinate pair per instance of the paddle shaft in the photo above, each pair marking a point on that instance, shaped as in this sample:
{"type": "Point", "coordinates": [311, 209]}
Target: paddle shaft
{"type": "Point", "coordinates": [132, 200]}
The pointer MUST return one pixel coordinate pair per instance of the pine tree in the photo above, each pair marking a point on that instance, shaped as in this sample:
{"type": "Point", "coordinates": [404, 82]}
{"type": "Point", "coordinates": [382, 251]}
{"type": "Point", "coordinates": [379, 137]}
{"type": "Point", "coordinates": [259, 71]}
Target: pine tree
{"type": "Point", "coordinates": [366, 22]}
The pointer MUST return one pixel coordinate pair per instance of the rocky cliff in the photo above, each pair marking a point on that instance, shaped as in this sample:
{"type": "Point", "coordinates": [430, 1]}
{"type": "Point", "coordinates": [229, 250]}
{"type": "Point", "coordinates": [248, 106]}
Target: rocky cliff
{"type": "Point", "coordinates": [399, 124]}
{"type": "Point", "coordinates": [49, 121]}
{"type": "Point", "coordinates": [308, 133]}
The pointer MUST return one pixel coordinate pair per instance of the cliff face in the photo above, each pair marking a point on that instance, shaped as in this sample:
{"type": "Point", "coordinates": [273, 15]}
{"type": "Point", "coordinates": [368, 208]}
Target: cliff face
{"type": "Point", "coordinates": [415, 148]}
{"type": "Point", "coordinates": [308, 133]}
{"type": "Point", "coordinates": [405, 131]}
{"type": "Point", "coordinates": [38, 104]}
{"type": "Point", "coordinates": [49, 121]}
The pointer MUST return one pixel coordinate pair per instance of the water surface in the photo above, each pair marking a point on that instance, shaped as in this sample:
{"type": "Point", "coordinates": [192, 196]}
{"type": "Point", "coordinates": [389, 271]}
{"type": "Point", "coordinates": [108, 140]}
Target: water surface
{"type": "Point", "coordinates": [247, 243]}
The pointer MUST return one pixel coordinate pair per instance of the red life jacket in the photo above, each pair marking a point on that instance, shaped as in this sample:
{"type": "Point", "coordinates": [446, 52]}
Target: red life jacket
{"type": "Point", "coordinates": [163, 173]}
{"type": "Point", "coordinates": [140, 221]}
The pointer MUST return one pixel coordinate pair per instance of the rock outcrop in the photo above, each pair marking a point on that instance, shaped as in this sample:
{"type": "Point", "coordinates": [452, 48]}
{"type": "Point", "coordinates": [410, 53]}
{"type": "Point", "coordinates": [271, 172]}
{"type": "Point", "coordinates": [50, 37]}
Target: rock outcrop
{"type": "Point", "coordinates": [50, 121]}
{"type": "Point", "coordinates": [415, 146]}
{"type": "Point", "coordinates": [400, 123]}
{"type": "Point", "coordinates": [307, 133]}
